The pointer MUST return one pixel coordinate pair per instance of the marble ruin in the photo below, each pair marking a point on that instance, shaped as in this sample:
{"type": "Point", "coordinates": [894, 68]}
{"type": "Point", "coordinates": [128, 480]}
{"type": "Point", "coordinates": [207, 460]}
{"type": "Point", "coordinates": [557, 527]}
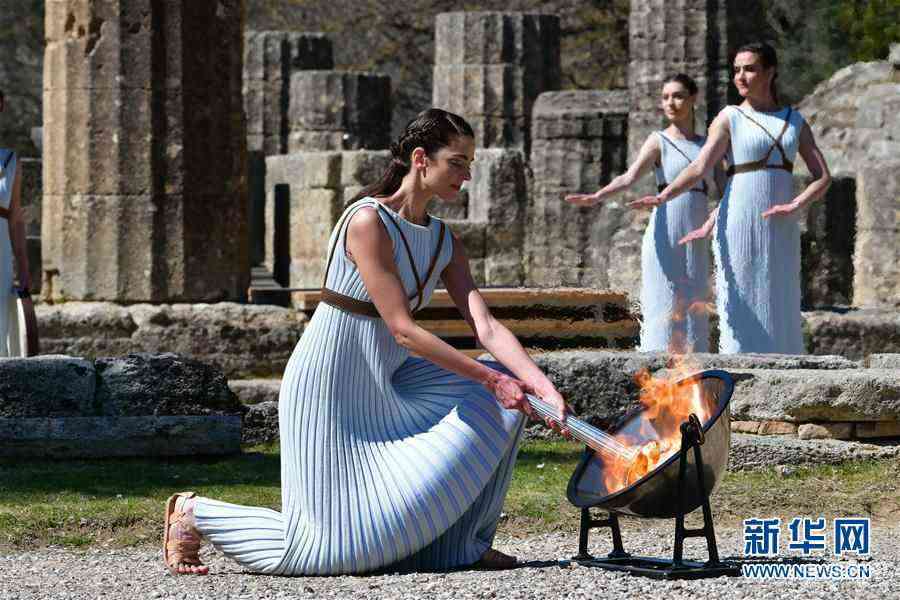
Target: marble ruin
{"type": "Point", "coordinates": [144, 152]}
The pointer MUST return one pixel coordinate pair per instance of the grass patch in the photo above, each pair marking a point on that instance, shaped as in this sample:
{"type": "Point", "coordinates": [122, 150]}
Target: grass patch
{"type": "Point", "coordinates": [118, 502]}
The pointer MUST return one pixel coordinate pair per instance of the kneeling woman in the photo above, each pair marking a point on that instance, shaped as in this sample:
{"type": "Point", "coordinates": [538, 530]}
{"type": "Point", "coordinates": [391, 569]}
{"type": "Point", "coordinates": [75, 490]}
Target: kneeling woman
{"type": "Point", "coordinates": [386, 459]}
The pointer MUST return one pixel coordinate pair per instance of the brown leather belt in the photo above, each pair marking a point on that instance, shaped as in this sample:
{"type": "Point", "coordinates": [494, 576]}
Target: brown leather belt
{"type": "Point", "coordinates": [4, 213]}
{"type": "Point", "coordinates": [368, 309]}
{"type": "Point", "coordinates": [661, 186]}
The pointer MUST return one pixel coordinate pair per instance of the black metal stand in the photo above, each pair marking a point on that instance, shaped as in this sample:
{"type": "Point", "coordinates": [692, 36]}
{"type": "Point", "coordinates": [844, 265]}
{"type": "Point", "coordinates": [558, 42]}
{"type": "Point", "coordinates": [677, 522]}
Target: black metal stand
{"type": "Point", "coordinates": [661, 568]}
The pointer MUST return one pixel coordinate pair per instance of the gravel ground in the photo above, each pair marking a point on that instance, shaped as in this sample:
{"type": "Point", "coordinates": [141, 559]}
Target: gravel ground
{"type": "Point", "coordinates": [547, 573]}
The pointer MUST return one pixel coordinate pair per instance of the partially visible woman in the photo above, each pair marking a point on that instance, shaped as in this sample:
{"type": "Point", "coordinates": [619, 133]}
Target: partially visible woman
{"type": "Point", "coordinates": [12, 237]}
{"type": "Point", "coordinates": [757, 233]}
{"type": "Point", "coordinates": [674, 278]}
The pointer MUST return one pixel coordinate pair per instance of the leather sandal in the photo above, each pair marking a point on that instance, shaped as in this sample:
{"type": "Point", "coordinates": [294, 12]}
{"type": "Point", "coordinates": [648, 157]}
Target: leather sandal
{"type": "Point", "coordinates": [179, 552]}
{"type": "Point", "coordinates": [494, 559]}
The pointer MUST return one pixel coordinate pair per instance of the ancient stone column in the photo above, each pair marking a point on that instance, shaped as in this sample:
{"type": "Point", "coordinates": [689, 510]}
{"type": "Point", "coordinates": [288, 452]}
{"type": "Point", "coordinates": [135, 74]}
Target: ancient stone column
{"type": "Point", "coordinates": [671, 36]}
{"type": "Point", "coordinates": [145, 144]}
{"type": "Point", "coordinates": [580, 140]}
{"type": "Point", "coordinates": [270, 58]}
{"type": "Point", "coordinates": [339, 110]}
{"type": "Point", "coordinates": [490, 68]}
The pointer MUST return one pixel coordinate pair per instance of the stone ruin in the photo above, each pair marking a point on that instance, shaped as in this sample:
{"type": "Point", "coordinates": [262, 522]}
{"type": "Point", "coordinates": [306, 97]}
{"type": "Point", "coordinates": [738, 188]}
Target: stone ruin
{"type": "Point", "coordinates": [164, 182]}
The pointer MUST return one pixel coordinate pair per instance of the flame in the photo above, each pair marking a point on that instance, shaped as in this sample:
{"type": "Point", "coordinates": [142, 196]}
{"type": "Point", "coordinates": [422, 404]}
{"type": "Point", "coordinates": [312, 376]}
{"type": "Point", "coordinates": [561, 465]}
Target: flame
{"type": "Point", "coordinates": [668, 401]}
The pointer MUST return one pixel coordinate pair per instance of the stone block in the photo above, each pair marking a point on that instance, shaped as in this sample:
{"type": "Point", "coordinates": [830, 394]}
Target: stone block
{"type": "Point", "coordinates": [745, 426]}
{"type": "Point", "coordinates": [878, 196]}
{"type": "Point", "coordinates": [229, 336]}
{"type": "Point", "coordinates": [776, 428]}
{"type": "Point", "coordinates": [338, 110]}
{"type": "Point", "coordinates": [477, 90]}
{"type": "Point", "coordinates": [876, 268]}
{"type": "Point", "coordinates": [260, 424]}
{"type": "Point", "coordinates": [581, 114]}
{"type": "Point", "coordinates": [526, 39]}
{"type": "Point", "coordinates": [801, 395]}
{"type": "Point", "coordinates": [499, 132]}
{"type": "Point", "coordinates": [363, 167]}
{"type": "Point", "coordinates": [305, 170]}
{"type": "Point", "coordinates": [31, 172]}
{"type": "Point", "coordinates": [46, 386]}
{"type": "Point", "coordinates": [105, 437]}
{"type": "Point", "coordinates": [161, 385]}
{"type": "Point", "coordinates": [313, 215]}
{"type": "Point", "coordinates": [825, 431]}
{"type": "Point", "coordinates": [276, 55]}
{"type": "Point", "coordinates": [255, 391]}
{"type": "Point", "coordinates": [854, 334]}
{"type": "Point", "coordinates": [883, 361]}
{"type": "Point", "coordinates": [878, 429]}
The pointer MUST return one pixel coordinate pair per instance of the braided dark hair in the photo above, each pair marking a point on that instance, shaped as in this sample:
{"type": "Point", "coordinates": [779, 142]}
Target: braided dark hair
{"type": "Point", "coordinates": [432, 129]}
{"type": "Point", "coordinates": [769, 59]}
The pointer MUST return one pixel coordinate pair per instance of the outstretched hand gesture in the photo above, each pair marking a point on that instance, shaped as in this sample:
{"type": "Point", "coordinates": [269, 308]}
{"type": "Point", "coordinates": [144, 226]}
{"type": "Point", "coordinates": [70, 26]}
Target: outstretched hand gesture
{"type": "Point", "coordinates": [781, 210]}
{"type": "Point", "coordinates": [647, 202]}
{"type": "Point", "coordinates": [583, 199]}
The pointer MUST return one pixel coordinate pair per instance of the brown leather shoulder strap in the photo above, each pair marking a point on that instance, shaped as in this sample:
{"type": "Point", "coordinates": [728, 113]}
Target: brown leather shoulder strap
{"type": "Point", "coordinates": [434, 259]}
{"type": "Point", "coordinates": [409, 254]}
{"type": "Point", "coordinates": [338, 227]}
{"type": "Point", "coordinates": [677, 149]}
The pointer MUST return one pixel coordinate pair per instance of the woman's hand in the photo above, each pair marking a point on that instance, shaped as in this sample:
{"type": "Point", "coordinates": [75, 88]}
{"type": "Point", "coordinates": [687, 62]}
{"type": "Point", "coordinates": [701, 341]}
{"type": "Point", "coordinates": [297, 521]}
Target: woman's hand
{"type": "Point", "coordinates": [584, 199]}
{"type": "Point", "coordinates": [510, 393]}
{"type": "Point", "coordinates": [782, 209]}
{"type": "Point", "coordinates": [550, 395]}
{"type": "Point", "coordinates": [647, 202]}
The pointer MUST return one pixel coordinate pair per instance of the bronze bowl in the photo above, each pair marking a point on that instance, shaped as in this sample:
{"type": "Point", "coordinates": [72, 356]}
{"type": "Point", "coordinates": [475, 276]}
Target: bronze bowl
{"type": "Point", "coordinates": [656, 494]}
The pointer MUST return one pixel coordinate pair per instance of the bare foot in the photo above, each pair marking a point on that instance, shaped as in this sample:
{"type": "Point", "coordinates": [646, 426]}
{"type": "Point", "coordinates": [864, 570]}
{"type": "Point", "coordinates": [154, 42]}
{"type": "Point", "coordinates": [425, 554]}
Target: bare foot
{"type": "Point", "coordinates": [494, 559]}
{"type": "Point", "coordinates": [181, 540]}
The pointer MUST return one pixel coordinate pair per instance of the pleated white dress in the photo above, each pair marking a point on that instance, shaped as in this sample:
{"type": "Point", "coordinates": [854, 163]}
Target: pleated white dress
{"type": "Point", "coordinates": [7, 179]}
{"type": "Point", "coordinates": [758, 259]}
{"type": "Point", "coordinates": [387, 460]}
{"type": "Point", "coordinates": [675, 278]}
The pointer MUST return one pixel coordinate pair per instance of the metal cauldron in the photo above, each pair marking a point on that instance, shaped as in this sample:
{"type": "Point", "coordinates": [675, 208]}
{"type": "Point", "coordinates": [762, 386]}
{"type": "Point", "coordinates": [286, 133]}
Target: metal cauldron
{"type": "Point", "coordinates": [656, 494]}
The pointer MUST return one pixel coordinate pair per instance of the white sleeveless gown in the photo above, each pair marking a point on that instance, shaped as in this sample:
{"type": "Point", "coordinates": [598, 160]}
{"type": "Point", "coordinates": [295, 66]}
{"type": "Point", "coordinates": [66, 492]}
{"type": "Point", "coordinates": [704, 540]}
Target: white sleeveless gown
{"type": "Point", "coordinates": [675, 278]}
{"type": "Point", "coordinates": [7, 179]}
{"type": "Point", "coordinates": [386, 459]}
{"type": "Point", "coordinates": [758, 259]}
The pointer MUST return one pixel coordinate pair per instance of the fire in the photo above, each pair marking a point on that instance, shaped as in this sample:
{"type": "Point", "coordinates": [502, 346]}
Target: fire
{"type": "Point", "coordinates": [655, 434]}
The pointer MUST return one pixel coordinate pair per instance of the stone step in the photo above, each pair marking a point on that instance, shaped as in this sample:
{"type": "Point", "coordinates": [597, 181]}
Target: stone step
{"type": "Point", "coordinates": [102, 437]}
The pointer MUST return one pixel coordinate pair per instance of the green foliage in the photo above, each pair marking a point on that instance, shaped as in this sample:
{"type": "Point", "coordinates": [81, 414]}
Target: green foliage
{"type": "Point", "coordinates": [871, 27]}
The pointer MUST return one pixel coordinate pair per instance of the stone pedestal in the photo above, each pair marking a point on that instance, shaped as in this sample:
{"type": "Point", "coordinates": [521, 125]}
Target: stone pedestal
{"type": "Point", "coordinates": [145, 148]}
{"type": "Point", "coordinates": [490, 68]}
{"type": "Point", "coordinates": [579, 145]}
{"type": "Point", "coordinates": [338, 110]}
{"type": "Point", "coordinates": [876, 260]}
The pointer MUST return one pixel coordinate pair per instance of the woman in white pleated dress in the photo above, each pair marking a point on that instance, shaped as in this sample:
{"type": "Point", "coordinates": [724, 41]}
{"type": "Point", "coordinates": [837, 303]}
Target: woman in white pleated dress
{"type": "Point", "coordinates": [12, 238]}
{"type": "Point", "coordinates": [757, 232]}
{"type": "Point", "coordinates": [387, 459]}
{"type": "Point", "coordinates": [674, 278]}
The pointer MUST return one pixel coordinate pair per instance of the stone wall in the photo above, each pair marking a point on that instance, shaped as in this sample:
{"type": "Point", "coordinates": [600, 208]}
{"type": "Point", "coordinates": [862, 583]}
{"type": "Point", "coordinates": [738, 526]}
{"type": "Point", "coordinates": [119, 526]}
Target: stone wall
{"type": "Point", "coordinates": [854, 118]}
{"type": "Point", "coordinates": [144, 151]}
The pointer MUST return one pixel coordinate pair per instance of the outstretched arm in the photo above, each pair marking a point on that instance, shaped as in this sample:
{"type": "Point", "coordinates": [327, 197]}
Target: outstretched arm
{"type": "Point", "coordinates": [712, 152]}
{"type": "Point", "coordinates": [17, 231]}
{"type": "Point", "coordinates": [492, 334]}
{"type": "Point", "coordinates": [647, 156]}
{"type": "Point", "coordinates": [818, 168]}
